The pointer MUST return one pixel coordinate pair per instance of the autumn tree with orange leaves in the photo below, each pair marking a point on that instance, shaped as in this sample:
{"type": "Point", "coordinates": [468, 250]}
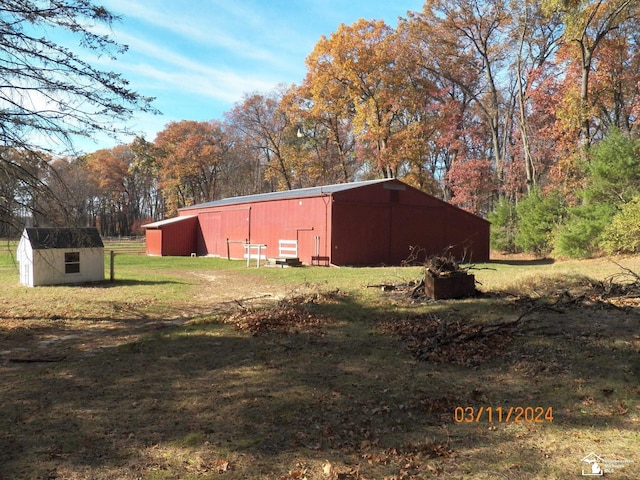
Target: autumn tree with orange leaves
{"type": "Point", "coordinates": [191, 157]}
{"type": "Point", "coordinates": [594, 29]}
{"type": "Point", "coordinates": [119, 192]}
{"type": "Point", "coordinates": [465, 44]}
{"type": "Point", "coordinates": [324, 141]}
{"type": "Point", "coordinates": [599, 87]}
{"type": "Point", "coordinates": [353, 73]}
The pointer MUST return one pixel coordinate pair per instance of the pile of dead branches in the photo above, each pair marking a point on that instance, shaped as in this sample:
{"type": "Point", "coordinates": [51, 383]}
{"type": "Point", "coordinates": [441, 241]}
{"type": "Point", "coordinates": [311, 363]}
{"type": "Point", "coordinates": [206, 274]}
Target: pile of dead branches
{"type": "Point", "coordinates": [444, 266]}
{"type": "Point", "coordinates": [290, 315]}
{"type": "Point", "coordinates": [463, 342]}
{"type": "Point", "coordinates": [618, 291]}
{"type": "Point", "coordinates": [434, 339]}
{"type": "Point", "coordinates": [622, 284]}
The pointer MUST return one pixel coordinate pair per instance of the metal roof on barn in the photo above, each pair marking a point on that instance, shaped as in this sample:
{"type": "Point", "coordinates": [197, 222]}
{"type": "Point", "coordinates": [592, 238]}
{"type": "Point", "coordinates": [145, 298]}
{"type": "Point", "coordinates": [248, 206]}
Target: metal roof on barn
{"type": "Point", "coordinates": [45, 238]}
{"type": "Point", "coordinates": [286, 194]}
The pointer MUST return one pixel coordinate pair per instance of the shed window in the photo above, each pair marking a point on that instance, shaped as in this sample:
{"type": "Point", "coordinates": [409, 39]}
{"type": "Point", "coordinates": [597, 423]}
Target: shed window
{"type": "Point", "coordinates": [72, 262]}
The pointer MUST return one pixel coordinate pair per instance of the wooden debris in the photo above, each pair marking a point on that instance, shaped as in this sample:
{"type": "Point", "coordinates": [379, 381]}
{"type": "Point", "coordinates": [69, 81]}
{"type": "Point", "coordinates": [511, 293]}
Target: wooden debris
{"type": "Point", "coordinates": [38, 359]}
{"type": "Point", "coordinates": [444, 266]}
{"type": "Point", "coordinates": [445, 278]}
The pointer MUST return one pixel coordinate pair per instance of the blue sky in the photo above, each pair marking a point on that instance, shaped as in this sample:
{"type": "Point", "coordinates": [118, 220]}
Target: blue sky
{"type": "Point", "coordinates": [198, 58]}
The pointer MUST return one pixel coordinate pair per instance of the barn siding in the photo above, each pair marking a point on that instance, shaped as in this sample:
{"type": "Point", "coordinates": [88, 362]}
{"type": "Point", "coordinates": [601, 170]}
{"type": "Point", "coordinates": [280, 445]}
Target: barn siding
{"type": "Point", "coordinates": [222, 229]}
{"type": "Point", "coordinates": [416, 226]}
{"type": "Point", "coordinates": [180, 238]}
{"type": "Point", "coordinates": [360, 233]}
{"type": "Point", "coordinates": [264, 223]}
{"type": "Point", "coordinates": [379, 223]}
{"type": "Point", "coordinates": [210, 233]}
{"type": "Point", "coordinates": [175, 237]}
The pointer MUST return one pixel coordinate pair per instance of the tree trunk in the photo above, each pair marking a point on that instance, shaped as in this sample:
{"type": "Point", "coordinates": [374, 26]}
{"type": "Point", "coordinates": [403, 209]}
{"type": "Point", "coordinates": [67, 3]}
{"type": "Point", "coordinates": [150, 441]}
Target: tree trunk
{"type": "Point", "coordinates": [585, 124]}
{"type": "Point", "coordinates": [524, 134]}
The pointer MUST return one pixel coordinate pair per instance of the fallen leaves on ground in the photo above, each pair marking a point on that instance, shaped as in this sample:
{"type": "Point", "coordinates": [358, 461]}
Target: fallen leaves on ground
{"type": "Point", "coordinates": [431, 338]}
{"type": "Point", "coordinates": [295, 475]}
{"type": "Point", "coordinates": [222, 466]}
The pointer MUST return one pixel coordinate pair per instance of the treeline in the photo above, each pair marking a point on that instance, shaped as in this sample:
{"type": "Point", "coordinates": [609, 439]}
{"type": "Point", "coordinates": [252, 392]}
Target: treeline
{"type": "Point", "coordinates": [601, 216]}
{"type": "Point", "coordinates": [501, 107]}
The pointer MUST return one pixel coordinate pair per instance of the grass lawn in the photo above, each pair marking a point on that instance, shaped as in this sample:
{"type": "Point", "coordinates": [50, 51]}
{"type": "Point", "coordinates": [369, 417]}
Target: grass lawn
{"type": "Point", "coordinates": [200, 368]}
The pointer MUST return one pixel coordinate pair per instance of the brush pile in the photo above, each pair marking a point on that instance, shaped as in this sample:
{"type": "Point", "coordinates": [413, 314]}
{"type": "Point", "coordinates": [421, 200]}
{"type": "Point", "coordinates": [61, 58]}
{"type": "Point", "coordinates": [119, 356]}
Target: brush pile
{"type": "Point", "coordinates": [435, 339]}
{"type": "Point", "coordinates": [445, 278]}
{"type": "Point", "coordinates": [296, 314]}
{"type": "Point", "coordinates": [444, 266]}
{"type": "Point", "coordinates": [624, 284]}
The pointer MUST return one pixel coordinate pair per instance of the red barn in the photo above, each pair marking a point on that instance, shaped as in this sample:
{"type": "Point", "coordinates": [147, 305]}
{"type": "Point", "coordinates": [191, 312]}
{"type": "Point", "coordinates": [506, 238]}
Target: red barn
{"type": "Point", "coordinates": [361, 223]}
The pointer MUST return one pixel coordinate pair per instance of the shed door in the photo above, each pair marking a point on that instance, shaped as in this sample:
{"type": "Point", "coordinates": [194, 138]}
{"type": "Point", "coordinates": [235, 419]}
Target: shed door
{"type": "Point", "coordinates": [25, 274]}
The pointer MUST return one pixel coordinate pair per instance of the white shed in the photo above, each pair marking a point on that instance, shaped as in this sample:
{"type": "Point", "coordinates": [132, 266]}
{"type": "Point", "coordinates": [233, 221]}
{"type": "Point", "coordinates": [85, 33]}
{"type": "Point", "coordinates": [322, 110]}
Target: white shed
{"type": "Point", "coordinates": [53, 256]}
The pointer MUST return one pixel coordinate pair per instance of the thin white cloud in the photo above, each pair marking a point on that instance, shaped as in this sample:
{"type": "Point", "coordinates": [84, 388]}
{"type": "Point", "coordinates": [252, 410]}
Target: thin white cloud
{"type": "Point", "coordinates": [208, 30]}
{"type": "Point", "coordinates": [219, 85]}
{"type": "Point", "coordinates": [173, 70]}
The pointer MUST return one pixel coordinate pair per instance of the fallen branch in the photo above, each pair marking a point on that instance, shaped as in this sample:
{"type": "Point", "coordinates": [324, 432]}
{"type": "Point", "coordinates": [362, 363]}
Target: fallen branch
{"type": "Point", "coordinates": [629, 271]}
{"type": "Point", "coordinates": [38, 359]}
{"type": "Point", "coordinates": [418, 290]}
{"type": "Point", "coordinates": [384, 286]}
{"type": "Point", "coordinates": [238, 301]}
{"type": "Point", "coordinates": [536, 308]}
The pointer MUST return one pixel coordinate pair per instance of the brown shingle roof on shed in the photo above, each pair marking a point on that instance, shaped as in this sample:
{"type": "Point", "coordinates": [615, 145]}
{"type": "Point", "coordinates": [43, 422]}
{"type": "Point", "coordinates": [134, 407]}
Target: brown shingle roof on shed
{"type": "Point", "coordinates": [45, 238]}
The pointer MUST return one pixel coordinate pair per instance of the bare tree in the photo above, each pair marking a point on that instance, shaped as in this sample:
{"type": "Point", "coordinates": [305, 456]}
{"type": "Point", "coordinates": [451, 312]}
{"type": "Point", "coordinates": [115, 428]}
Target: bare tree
{"type": "Point", "coordinates": [49, 92]}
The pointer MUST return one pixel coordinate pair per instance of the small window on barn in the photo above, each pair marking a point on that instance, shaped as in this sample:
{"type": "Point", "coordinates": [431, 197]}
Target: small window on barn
{"type": "Point", "coordinates": [72, 262]}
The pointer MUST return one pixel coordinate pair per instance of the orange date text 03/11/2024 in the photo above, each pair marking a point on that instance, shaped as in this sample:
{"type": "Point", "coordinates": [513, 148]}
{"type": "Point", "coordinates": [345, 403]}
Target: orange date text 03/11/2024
{"type": "Point", "coordinates": [503, 414]}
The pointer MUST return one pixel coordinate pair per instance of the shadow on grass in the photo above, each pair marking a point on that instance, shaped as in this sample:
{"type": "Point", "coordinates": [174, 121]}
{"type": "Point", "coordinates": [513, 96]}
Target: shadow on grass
{"type": "Point", "coordinates": [526, 262]}
{"type": "Point", "coordinates": [112, 284]}
{"type": "Point", "coordinates": [136, 283]}
{"type": "Point", "coordinates": [342, 392]}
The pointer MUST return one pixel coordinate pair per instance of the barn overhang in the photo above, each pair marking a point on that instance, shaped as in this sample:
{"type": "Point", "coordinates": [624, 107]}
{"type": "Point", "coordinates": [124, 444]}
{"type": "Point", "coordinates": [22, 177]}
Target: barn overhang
{"type": "Point", "coordinates": [172, 237]}
{"type": "Point", "coordinates": [169, 221]}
